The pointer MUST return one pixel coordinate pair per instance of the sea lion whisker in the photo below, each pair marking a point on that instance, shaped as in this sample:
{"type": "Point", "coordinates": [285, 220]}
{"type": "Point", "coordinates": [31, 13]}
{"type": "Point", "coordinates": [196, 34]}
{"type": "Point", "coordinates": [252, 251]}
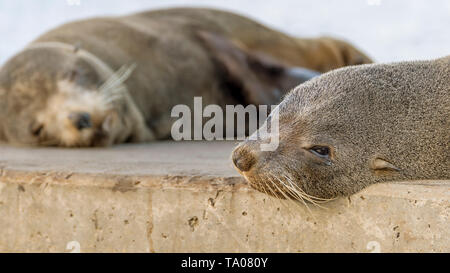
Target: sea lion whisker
{"type": "Point", "coordinates": [288, 199]}
{"type": "Point", "coordinates": [295, 188]}
{"type": "Point", "coordinates": [111, 99]}
{"type": "Point", "coordinates": [298, 192]}
{"type": "Point", "coordinates": [265, 185]}
{"type": "Point", "coordinates": [302, 199]}
{"type": "Point", "coordinates": [291, 200]}
{"type": "Point", "coordinates": [113, 78]}
{"type": "Point", "coordinates": [263, 188]}
{"type": "Point", "coordinates": [290, 180]}
{"type": "Point", "coordinates": [268, 177]}
{"type": "Point", "coordinates": [311, 198]}
{"type": "Point", "coordinates": [274, 191]}
{"type": "Point", "coordinates": [317, 199]}
{"type": "Point", "coordinates": [115, 91]}
{"type": "Point", "coordinates": [288, 187]}
{"type": "Point", "coordinates": [266, 188]}
{"type": "Point", "coordinates": [298, 195]}
{"type": "Point", "coordinates": [315, 203]}
{"type": "Point", "coordinates": [117, 78]}
{"type": "Point", "coordinates": [281, 191]}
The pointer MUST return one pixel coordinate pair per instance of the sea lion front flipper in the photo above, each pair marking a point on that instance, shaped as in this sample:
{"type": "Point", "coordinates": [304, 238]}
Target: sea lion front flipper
{"type": "Point", "coordinates": [253, 77]}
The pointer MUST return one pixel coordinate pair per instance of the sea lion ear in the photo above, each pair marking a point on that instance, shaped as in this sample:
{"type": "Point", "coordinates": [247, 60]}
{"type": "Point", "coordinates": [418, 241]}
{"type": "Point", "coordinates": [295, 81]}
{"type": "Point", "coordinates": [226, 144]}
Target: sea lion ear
{"type": "Point", "coordinates": [253, 78]}
{"type": "Point", "coordinates": [379, 164]}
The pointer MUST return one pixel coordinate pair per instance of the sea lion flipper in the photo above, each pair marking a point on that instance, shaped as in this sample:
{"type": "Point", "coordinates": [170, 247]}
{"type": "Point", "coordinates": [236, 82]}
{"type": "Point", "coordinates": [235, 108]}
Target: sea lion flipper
{"type": "Point", "coordinates": [256, 77]}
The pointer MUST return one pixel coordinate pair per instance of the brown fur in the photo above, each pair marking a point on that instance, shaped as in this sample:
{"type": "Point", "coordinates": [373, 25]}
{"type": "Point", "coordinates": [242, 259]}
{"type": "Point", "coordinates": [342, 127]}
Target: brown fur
{"type": "Point", "coordinates": [175, 62]}
{"type": "Point", "coordinates": [380, 122]}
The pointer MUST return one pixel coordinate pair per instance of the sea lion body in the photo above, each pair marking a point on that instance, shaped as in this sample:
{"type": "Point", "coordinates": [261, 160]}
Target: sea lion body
{"type": "Point", "coordinates": [356, 126]}
{"type": "Point", "coordinates": [40, 86]}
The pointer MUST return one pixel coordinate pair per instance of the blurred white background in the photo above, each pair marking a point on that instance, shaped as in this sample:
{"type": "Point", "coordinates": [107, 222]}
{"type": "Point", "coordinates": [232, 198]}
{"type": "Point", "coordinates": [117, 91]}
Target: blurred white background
{"type": "Point", "coordinates": [388, 30]}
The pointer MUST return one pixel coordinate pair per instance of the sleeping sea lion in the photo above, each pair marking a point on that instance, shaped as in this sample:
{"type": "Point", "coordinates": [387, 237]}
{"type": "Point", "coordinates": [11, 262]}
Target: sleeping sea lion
{"type": "Point", "coordinates": [111, 80]}
{"type": "Point", "coordinates": [353, 127]}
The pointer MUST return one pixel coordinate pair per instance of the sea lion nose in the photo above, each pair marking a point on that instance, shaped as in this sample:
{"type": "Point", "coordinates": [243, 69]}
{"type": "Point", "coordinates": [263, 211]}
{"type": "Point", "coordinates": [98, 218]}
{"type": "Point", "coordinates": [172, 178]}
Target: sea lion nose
{"type": "Point", "coordinates": [243, 159]}
{"type": "Point", "coordinates": [81, 120]}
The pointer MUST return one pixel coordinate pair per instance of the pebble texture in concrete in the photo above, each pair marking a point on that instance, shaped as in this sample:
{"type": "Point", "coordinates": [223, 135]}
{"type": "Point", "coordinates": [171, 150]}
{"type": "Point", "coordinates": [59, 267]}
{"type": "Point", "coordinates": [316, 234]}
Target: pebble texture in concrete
{"type": "Point", "coordinates": [186, 197]}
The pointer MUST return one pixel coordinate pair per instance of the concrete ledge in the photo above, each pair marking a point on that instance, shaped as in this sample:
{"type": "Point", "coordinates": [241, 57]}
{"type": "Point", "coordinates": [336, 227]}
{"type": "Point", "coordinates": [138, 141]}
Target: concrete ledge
{"type": "Point", "coordinates": [186, 197]}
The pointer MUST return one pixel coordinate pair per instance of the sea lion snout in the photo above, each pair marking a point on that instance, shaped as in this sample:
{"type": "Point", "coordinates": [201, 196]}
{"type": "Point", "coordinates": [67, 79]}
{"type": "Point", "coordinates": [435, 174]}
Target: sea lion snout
{"type": "Point", "coordinates": [243, 159]}
{"type": "Point", "coordinates": [81, 120]}
{"type": "Point", "coordinates": [262, 169]}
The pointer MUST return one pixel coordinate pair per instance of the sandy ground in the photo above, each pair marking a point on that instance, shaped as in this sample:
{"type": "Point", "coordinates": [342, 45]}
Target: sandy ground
{"type": "Point", "coordinates": [387, 30]}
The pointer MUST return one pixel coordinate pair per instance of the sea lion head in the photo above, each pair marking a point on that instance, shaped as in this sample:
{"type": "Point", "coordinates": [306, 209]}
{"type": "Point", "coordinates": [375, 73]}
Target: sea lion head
{"type": "Point", "coordinates": [328, 53]}
{"type": "Point", "coordinates": [53, 95]}
{"type": "Point", "coordinates": [353, 127]}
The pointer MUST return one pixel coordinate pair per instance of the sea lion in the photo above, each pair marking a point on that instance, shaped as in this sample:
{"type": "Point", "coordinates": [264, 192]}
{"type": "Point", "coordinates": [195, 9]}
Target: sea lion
{"type": "Point", "coordinates": [110, 80]}
{"type": "Point", "coordinates": [353, 127]}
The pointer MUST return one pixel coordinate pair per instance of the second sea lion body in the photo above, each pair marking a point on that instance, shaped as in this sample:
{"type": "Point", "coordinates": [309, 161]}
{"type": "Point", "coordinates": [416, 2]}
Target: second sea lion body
{"type": "Point", "coordinates": [41, 84]}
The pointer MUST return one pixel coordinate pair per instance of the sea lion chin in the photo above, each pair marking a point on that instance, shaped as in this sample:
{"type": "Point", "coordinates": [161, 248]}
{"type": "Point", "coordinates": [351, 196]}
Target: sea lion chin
{"type": "Point", "coordinates": [354, 127]}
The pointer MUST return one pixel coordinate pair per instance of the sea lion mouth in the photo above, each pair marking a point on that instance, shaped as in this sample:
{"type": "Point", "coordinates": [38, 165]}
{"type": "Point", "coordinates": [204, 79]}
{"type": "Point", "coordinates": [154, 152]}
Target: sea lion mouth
{"type": "Point", "coordinates": [266, 174]}
{"type": "Point", "coordinates": [282, 185]}
{"type": "Point", "coordinates": [93, 138]}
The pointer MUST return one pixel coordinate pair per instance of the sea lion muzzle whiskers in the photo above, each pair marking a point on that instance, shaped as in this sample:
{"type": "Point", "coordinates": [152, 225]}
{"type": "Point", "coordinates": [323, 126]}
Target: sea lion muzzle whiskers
{"type": "Point", "coordinates": [281, 173]}
{"type": "Point", "coordinates": [113, 89]}
{"type": "Point", "coordinates": [290, 196]}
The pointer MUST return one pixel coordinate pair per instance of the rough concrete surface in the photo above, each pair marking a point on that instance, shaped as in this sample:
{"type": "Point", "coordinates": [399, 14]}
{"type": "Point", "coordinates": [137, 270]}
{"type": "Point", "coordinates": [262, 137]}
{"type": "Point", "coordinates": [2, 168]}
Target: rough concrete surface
{"type": "Point", "coordinates": [186, 197]}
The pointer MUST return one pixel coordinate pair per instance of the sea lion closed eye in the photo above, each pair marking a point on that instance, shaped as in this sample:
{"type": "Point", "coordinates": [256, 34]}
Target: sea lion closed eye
{"type": "Point", "coordinates": [354, 127]}
{"type": "Point", "coordinates": [111, 80]}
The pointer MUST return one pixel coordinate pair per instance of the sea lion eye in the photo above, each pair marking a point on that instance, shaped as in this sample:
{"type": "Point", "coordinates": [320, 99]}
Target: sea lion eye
{"type": "Point", "coordinates": [321, 151]}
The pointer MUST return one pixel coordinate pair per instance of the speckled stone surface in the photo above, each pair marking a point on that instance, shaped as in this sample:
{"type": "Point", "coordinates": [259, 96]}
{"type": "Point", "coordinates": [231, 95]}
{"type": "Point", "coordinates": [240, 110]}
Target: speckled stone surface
{"type": "Point", "coordinates": [186, 197]}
